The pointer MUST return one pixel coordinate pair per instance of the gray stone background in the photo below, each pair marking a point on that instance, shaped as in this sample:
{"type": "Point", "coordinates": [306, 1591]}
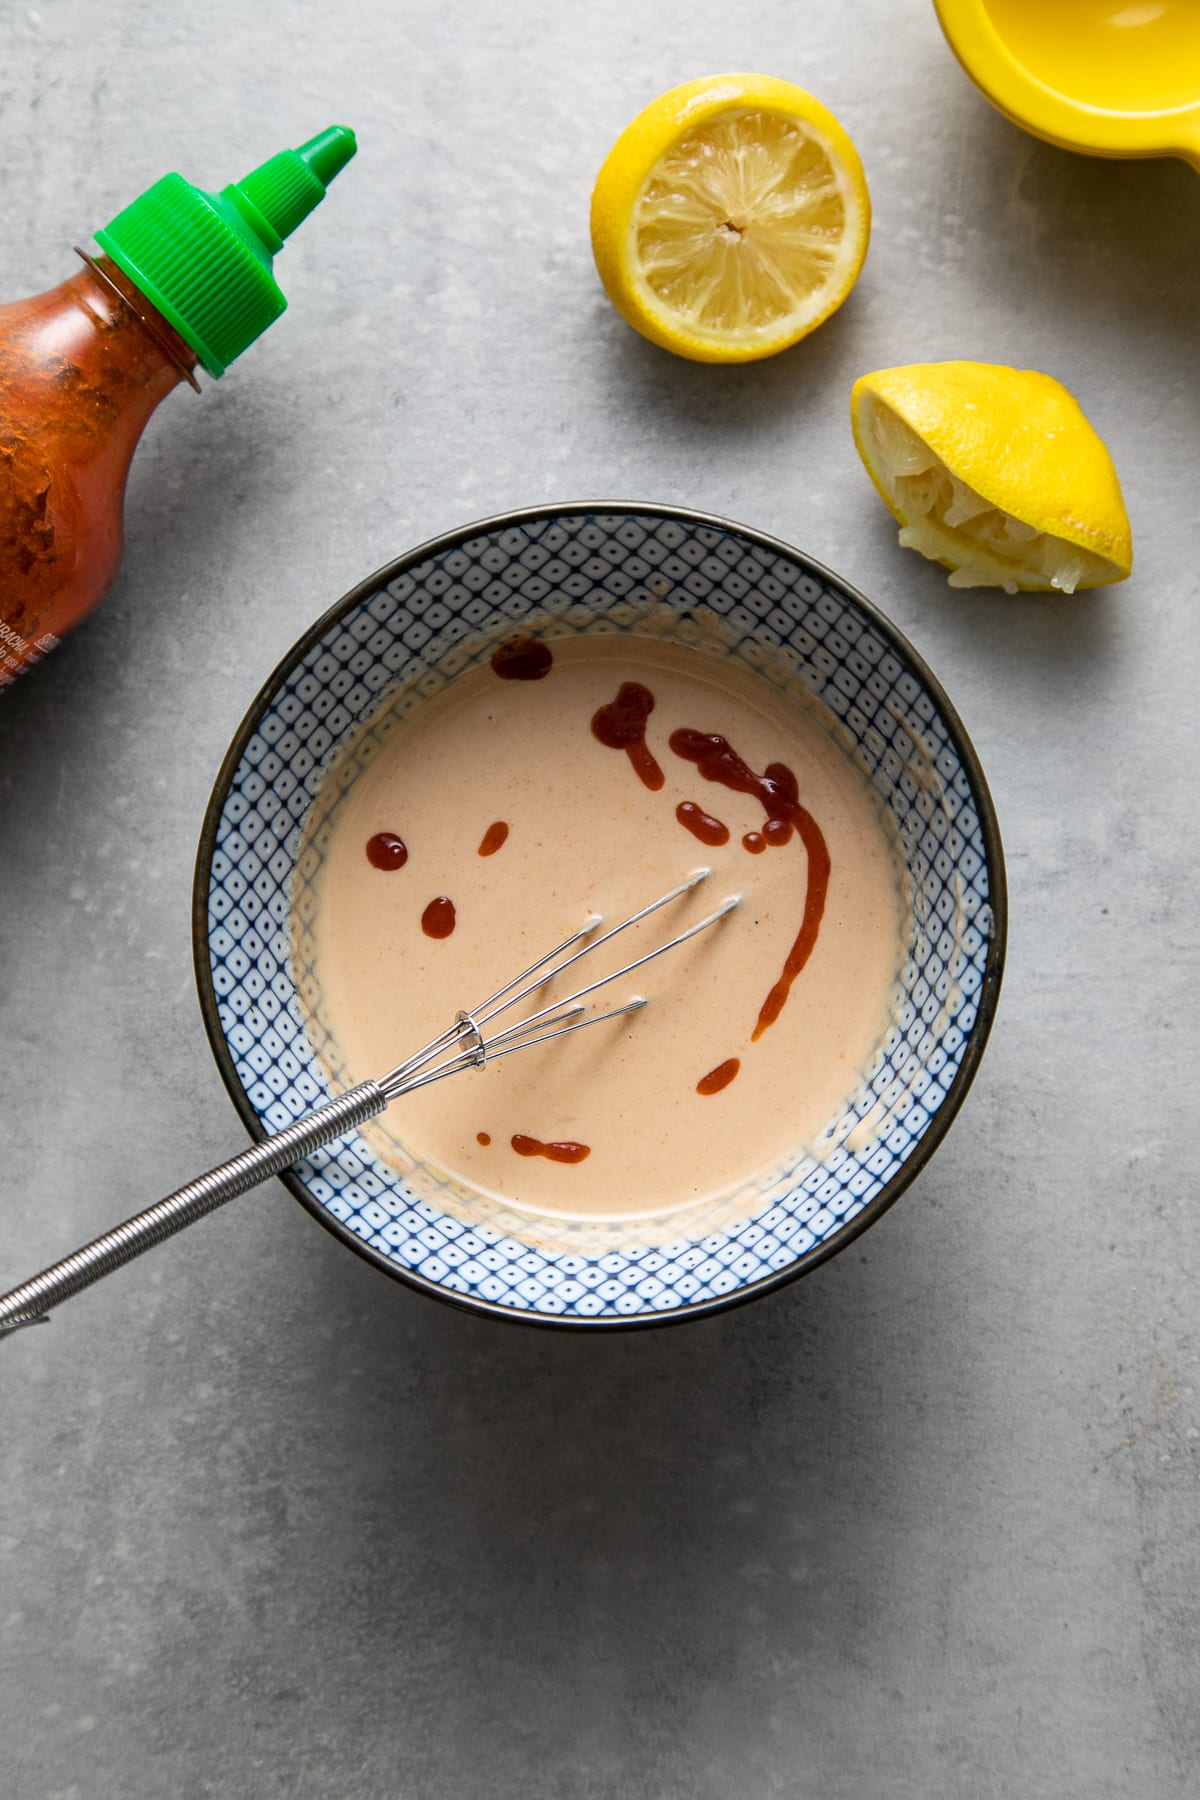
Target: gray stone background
{"type": "Point", "coordinates": [923, 1525]}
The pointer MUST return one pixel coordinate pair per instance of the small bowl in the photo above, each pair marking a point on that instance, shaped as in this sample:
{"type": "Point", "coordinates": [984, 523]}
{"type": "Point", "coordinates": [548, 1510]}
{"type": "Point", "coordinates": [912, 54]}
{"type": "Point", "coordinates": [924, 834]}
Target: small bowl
{"type": "Point", "coordinates": [1108, 80]}
{"type": "Point", "coordinates": [604, 567]}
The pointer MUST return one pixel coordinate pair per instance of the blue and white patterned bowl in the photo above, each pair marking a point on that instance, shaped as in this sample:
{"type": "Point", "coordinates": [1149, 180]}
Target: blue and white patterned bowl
{"type": "Point", "coordinates": [604, 567]}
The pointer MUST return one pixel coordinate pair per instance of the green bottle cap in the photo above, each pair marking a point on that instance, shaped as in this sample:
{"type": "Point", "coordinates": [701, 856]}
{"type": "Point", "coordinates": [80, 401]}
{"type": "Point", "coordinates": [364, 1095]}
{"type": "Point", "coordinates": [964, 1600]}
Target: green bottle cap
{"type": "Point", "coordinates": [204, 260]}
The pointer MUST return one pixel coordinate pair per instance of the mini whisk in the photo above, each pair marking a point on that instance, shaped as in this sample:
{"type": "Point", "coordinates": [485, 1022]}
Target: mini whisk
{"type": "Point", "coordinates": [463, 1045]}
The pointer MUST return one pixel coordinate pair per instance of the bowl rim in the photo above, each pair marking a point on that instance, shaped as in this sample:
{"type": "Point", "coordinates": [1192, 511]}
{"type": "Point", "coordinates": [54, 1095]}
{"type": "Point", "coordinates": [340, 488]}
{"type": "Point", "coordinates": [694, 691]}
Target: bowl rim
{"type": "Point", "coordinates": [989, 990]}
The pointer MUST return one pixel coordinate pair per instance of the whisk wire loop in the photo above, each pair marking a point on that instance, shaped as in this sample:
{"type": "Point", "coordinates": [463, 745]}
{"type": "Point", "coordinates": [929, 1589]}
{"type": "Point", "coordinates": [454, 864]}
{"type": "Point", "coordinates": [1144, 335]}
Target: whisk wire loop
{"type": "Point", "coordinates": [489, 1010]}
{"type": "Point", "coordinates": [463, 1044]}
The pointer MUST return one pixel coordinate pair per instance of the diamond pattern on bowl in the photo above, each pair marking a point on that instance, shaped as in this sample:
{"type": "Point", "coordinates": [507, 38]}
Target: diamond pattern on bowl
{"type": "Point", "coordinates": [605, 570]}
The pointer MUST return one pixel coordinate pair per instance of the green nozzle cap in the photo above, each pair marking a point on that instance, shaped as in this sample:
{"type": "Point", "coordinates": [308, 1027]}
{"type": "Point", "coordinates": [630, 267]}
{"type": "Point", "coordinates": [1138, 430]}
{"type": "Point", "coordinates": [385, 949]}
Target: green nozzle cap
{"type": "Point", "coordinates": [204, 260]}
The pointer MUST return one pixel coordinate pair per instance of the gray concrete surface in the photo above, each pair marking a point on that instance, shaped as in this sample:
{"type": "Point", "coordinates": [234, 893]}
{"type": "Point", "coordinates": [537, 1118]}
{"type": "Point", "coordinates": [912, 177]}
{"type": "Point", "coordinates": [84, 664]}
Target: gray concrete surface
{"type": "Point", "coordinates": [924, 1525]}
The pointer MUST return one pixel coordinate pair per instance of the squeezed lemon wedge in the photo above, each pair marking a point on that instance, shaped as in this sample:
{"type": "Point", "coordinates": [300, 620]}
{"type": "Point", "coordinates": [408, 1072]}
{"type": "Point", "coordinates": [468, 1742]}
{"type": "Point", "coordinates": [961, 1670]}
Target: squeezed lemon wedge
{"type": "Point", "coordinates": [730, 218]}
{"type": "Point", "coordinates": [995, 473]}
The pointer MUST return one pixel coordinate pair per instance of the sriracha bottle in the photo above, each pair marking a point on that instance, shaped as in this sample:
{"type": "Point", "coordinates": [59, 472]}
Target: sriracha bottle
{"type": "Point", "coordinates": [183, 280]}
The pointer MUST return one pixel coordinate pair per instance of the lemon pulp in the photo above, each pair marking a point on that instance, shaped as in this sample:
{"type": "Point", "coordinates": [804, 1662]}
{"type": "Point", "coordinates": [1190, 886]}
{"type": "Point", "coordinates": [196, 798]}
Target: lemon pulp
{"type": "Point", "coordinates": [742, 224]}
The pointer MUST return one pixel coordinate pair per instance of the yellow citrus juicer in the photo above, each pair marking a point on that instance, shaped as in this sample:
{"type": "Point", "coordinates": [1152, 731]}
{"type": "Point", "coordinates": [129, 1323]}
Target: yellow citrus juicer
{"type": "Point", "coordinates": [1108, 77]}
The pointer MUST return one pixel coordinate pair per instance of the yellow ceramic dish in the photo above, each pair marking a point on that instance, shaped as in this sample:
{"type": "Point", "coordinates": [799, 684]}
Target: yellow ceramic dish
{"type": "Point", "coordinates": [1109, 77]}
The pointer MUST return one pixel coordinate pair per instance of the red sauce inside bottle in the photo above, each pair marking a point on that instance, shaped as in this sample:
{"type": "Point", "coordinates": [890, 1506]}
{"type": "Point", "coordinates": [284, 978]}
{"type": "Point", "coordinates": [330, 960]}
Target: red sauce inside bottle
{"type": "Point", "coordinates": [621, 725]}
{"type": "Point", "coordinates": [493, 837]}
{"type": "Point", "coordinates": [82, 368]}
{"type": "Point", "coordinates": [701, 824]}
{"type": "Point", "coordinates": [720, 1077]}
{"type": "Point", "coordinates": [387, 851]}
{"type": "Point", "coordinates": [565, 1152]}
{"type": "Point", "coordinates": [438, 919]}
{"type": "Point", "coordinates": [777, 791]}
{"type": "Point", "coordinates": [522, 659]}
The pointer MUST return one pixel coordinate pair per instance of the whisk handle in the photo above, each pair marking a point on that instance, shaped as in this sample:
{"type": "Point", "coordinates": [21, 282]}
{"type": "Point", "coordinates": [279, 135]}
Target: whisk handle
{"type": "Point", "coordinates": [29, 1303]}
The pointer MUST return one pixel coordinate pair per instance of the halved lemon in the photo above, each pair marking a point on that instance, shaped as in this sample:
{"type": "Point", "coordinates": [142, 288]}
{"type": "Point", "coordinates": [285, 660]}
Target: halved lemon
{"type": "Point", "coordinates": [730, 218]}
{"type": "Point", "coordinates": [994, 472]}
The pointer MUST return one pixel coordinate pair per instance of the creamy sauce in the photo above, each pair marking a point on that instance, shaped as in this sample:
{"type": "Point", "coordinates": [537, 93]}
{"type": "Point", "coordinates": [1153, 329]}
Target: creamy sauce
{"type": "Point", "coordinates": [603, 761]}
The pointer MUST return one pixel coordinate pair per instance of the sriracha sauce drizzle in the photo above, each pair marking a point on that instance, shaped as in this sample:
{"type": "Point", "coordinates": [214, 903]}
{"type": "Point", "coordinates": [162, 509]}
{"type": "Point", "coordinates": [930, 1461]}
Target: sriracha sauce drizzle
{"type": "Point", "coordinates": [522, 659]}
{"type": "Point", "coordinates": [720, 1077]}
{"type": "Point", "coordinates": [495, 835]}
{"type": "Point", "coordinates": [701, 824]}
{"type": "Point", "coordinates": [621, 725]}
{"type": "Point", "coordinates": [566, 1152]}
{"type": "Point", "coordinates": [776, 789]}
{"type": "Point", "coordinates": [438, 919]}
{"type": "Point", "coordinates": [387, 851]}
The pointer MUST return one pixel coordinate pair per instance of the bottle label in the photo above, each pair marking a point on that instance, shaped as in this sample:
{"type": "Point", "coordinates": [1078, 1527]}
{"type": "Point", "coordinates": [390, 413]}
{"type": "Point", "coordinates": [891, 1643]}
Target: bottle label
{"type": "Point", "coordinates": [19, 653]}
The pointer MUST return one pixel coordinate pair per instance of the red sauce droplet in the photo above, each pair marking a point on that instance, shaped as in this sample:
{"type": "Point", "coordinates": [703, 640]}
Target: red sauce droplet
{"type": "Point", "coordinates": [483, 1137]}
{"type": "Point", "coordinates": [720, 1077]}
{"type": "Point", "coordinates": [566, 1152]}
{"type": "Point", "coordinates": [493, 837]}
{"type": "Point", "coordinates": [778, 793]}
{"type": "Point", "coordinates": [439, 918]}
{"type": "Point", "coordinates": [777, 832]}
{"type": "Point", "coordinates": [522, 659]}
{"type": "Point", "coordinates": [701, 824]}
{"type": "Point", "coordinates": [754, 842]}
{"type": "Point", "coordinates": [387, 851]}
{"type": "Point", "coordinates": [621, 725]}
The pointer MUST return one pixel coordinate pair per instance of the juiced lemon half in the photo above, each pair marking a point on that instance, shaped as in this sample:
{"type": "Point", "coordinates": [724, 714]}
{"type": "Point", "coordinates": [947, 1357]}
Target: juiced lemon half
{"type": "Point", "coordinates": [730, 218]}
{"type": "Point", "coordinates": [994, 472]}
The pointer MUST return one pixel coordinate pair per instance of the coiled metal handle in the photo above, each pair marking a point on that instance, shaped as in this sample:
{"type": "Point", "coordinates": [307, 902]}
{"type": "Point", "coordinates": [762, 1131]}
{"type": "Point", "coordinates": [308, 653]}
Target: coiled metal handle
{"type": "Point", "coordinates": [29, 1303]}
